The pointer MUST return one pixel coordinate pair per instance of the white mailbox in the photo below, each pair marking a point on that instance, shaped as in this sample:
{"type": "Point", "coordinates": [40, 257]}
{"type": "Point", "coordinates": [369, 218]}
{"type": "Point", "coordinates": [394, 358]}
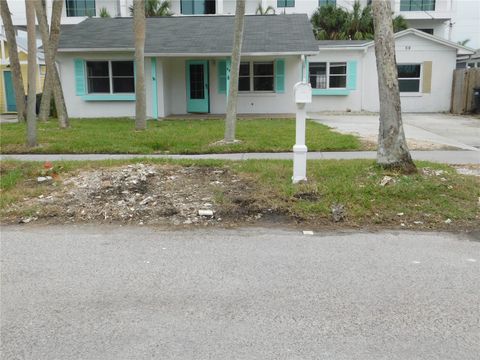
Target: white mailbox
{"type": "Point", "coordinates": [303, 93]}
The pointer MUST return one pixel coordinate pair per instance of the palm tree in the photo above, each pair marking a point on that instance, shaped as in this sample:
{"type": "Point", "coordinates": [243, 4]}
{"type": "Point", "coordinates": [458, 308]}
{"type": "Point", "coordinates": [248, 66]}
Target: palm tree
{"type": "Point", "coordinates": [32, 76]}
{"type": "Point", "coordinates": [463, 42]}
{"type": "Point", "coordinates": [50, 44]}
{"type": "Point", "coordinates": [269, 10]}
{"type": "Point", "coordinates": [140, 91]}
{"type": "Point", "coordinates": [330, 23]}
{"type": "Point", "coordinates": [104, 13]}
{"type": "Point", "coordinates": [392, 152]}
{"type": "Point", "coordinates": [335, 23]}
{"type": "Point", "coordinates": [360, 23]}
{"type": "Point", "coordinates": [231, 118]}
{"type": "Point", "coordinates": [14, 61]}
{"type": "Point", "coordinates": [399, 23]}
{"type": "Point", "coordinates": [155, 8]}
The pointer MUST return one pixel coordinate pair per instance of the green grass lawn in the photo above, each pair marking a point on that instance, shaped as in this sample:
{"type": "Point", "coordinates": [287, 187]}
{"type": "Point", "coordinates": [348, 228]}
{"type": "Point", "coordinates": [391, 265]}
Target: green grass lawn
{"type": "Point", "coordinates": [170, 136]}
{"type": "Point", "coordinates": [425, 202]}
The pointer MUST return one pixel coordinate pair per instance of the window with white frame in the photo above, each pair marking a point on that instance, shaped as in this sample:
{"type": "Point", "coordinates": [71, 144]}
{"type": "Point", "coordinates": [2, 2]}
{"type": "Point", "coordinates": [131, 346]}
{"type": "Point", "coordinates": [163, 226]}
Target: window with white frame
{"type": "Point", "coordinates": [327, 2]}
{"type": "Point", "coordinates": [80, 7]}
{"type": "Point", "coordinates": [110, 77]}
{"type": "Point", "coordinates": [256, 76]}
{"type": "Point", "coordinates": [409, 77]}
{"type": "Point", "coordinates": [325, 75]}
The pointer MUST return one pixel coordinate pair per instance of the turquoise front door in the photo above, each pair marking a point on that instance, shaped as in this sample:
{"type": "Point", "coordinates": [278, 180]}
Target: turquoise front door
{"type": "Point", "coordinates": [197, 86]}
{"type": "Point", "coordinates": [9, 92]}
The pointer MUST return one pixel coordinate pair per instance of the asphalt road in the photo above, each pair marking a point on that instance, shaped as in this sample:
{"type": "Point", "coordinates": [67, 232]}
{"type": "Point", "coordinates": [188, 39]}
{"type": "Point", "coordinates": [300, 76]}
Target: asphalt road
{"type": "Point", "coordinates": [77, 292]}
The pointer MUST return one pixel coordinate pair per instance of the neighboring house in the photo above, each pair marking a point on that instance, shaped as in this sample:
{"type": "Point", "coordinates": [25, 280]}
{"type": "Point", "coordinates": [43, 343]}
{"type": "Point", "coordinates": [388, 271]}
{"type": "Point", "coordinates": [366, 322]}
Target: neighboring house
{"type": "Point", "coordinates": [344, 75]}
{"type": "Point", "coordinates": [186, 65]}
{"type": "Point", "coordinates": [469, 61]}
{"type": "Point", "coordinates": [7, 93]}
{"type": "Point", "coordinates": [455, 20]}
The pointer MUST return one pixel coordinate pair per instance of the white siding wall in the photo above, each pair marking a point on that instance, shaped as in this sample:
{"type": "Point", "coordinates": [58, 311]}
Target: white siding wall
{"type": "Point", "coordinates": [90, 109]}
{"type": "Point", "coordinates": [176, 97]}
{"type": "Point", "coordinates": [411, 49]}
{"type": "Point", "coordinates": [353, 101]}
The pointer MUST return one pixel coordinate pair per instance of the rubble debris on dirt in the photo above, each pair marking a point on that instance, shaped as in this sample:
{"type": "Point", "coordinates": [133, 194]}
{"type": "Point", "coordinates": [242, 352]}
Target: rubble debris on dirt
{"type": "Point", "coordinates": [42, 179]}
{"type": "Point", "coordinates": [27, 220]}
{"type": "Point", "coordinates": [431, 172]}
{"type": "Point", "coordinates": [141, 193]}
{"type": "Point", "coordinates": [387, 180]}
{"type": "Point", "coordinates": [338, 212]}
{"type": "Point", "coordinates": [205, 212]}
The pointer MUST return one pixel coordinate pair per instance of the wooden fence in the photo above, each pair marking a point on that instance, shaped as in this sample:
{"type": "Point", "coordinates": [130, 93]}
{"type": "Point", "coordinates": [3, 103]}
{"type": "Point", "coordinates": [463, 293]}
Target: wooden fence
{"type": "Point", "coordinates": [464, 81]}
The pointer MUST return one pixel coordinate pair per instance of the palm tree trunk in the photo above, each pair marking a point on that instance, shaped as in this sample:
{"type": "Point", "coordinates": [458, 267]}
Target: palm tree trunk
{"type": "Point", "coordinates": [140, 92]}
{"type": "Point", "coordinates": [14, 61]}
{"type": "Point", "coordinates": [50, 44]}
{"type": "Point", "coordinates": [46, 100]}
{"type": "Point", "coordinates": [231, 118]}
{"type": "Point", "coordinates": [32, 76]}
{"type": "Point", "coordinates": [392, 149]}
{"type": "Point", "coordinates": [61, 108]}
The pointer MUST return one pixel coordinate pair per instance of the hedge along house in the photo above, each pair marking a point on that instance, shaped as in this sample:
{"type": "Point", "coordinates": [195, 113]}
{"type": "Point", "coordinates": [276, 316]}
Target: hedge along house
{"type": "Point", "coordinates": [186, 65]}
{"type": "Point", "coordinates": [343, 74]}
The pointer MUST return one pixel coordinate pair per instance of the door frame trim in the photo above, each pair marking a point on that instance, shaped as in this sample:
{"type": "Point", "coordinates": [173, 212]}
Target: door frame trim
{"type": "Point", "coordinates": [206, 64]}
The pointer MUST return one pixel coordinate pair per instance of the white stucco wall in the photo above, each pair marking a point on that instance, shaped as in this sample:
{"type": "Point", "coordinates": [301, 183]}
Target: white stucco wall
{"type": "Point", "coordinates": [171, 89]}
{"type": "Point", "coordinates": [76, 106]}
{"type": "Point", "coordinates": [257, 103]}
{"type": "Point", "coordinates": [175, 97]}
{"type": "Point", "coordinates": [353, 101]}
{"type": "Point", "coordinates": [171, 80]}
{"type": "Point", "coordinates": [410, 50]}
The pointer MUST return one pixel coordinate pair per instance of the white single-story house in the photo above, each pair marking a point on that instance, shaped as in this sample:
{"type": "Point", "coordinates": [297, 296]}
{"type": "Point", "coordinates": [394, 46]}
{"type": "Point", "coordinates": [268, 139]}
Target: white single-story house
{"type": "Point", "coordinates": [187, 67]}
{"type": "Point", "coordinates": [343, 74]}
{"type": "Point", "coordinates": [186, 64]}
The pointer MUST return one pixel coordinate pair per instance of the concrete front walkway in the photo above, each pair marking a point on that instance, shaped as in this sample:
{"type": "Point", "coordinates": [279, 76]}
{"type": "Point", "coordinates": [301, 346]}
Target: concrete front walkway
{"type": "Point", "coordinates": [421, 130]}
{"type": "Point", "coordinates": [446, 157]}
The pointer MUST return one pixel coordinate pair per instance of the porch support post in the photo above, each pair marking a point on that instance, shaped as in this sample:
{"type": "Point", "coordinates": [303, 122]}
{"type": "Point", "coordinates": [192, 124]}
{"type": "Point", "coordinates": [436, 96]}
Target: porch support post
{"type": "Point", "coordinates": [227, 76]}
{"type": "Point", "coordinates": [154, 89]}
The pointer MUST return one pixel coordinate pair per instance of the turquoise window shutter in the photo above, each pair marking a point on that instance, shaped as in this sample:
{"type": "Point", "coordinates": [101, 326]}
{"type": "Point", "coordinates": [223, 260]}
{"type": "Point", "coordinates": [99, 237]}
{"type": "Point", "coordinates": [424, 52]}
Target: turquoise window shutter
{"type": "Point", "coordinates": [280, 75]}
{"type": "Point", "coordinates": [80, 86]}
{"type": "Point", "coordinates": [351, 75]}
{"type": "Point", "coordinates": [222, 76]}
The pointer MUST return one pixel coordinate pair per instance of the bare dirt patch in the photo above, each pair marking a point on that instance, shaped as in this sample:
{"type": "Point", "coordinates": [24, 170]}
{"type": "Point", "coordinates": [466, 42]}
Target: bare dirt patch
{"type": "Point", "coordinates": [143, 194]}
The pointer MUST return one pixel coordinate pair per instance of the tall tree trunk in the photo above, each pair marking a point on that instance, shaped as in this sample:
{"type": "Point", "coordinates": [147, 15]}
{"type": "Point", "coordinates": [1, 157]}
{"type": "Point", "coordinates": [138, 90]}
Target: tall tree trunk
{"type": "Point", "coordinates": [140, 92]}
{"type": "Point", "coordinates": [14, 61]}
{"type": "Point", "coordinates": [46, 100]}
{"type": "Point", "coordinates": [231, 118]}
{"type": "Point", "coordinates": [392, 149]}
{"type": "Point", "coordinates": [50, 45]}
{"type": "Point", "coordinates": [32, 76]}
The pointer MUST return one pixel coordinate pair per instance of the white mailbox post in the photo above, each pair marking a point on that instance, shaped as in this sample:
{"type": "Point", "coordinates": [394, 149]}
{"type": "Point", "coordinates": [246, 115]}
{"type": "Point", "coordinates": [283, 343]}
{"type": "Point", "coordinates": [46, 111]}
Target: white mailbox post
{"type": "Point", "coordinates": [303, 95]}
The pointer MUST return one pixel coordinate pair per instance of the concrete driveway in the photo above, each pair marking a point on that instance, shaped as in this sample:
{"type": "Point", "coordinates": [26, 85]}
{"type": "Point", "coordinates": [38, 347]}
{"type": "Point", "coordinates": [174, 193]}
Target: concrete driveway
{"type": "Point", "coordinates": [423, 131]}
{"type": "Point", "coordinates": [126, 292]}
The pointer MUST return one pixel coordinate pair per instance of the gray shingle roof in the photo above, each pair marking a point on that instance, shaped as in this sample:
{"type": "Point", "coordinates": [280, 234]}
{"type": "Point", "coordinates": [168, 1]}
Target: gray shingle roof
{"type": "Point", "coordinates": [194, 35]}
